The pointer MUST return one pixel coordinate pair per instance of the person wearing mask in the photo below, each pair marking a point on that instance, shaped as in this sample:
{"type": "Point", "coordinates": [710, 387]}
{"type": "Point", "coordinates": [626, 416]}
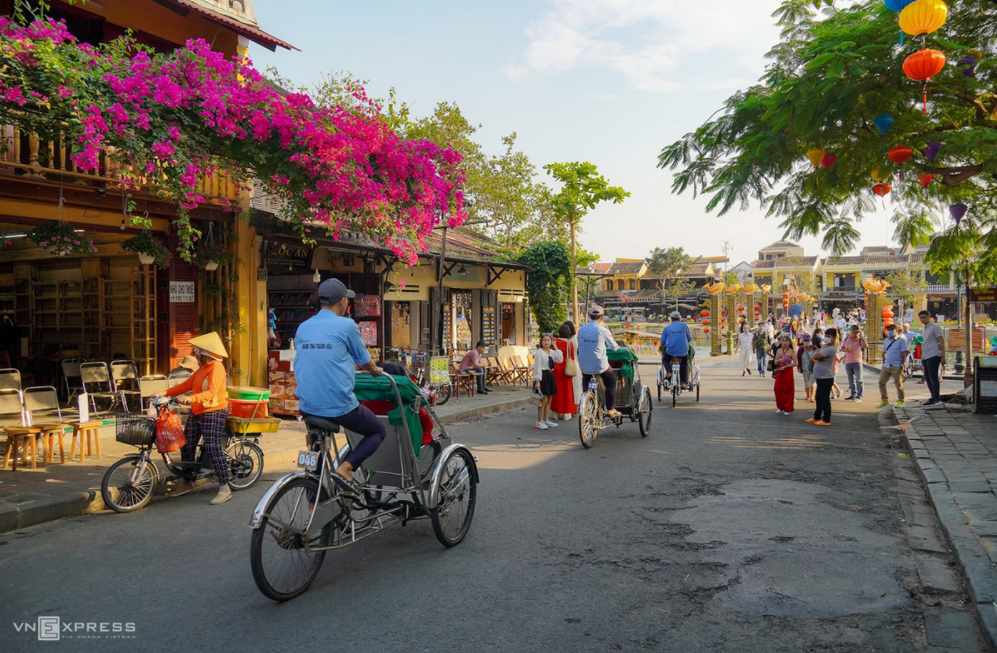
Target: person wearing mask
{"type": "Point", "coordinates": [761, 343]}
{"type": "Point", "coordinates": [329, 349]}
{"type": "Point", "coordinates": [544, 360]}
{"type": "Point", "coordinates": [824, 377]}
{"type": "Point", "coordinates": [770, 327]}
{"type": "Point", "coordinates": [471, 364]}
{"type": "Point", "coordinates": [932, 356]}
{"type": "Point", "coordinates": [565, 402]}
{"type": "Point", "coordinates": [805, 358]}
{"type": "Point", "coordinates": [854, 347]}
{"type": "Point", "coordinates": [593, 341]}
{"type": "Point", "coordinates": [894, 350]}
{"type": "Point", "coordinates": [208, 400]}
{"type": "Point", "coordinates": [785, 388]}
{"type": "Point", "coordinates": [675, 339]}
{"type": "Point", "coordinates": [840, 324]}
{"type": "Point", "coordinates": [744, 349]}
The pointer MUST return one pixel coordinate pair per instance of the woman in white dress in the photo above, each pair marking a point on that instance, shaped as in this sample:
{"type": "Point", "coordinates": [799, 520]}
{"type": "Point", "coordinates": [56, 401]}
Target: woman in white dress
{"type": "Point", "coordinates": [744, 339]}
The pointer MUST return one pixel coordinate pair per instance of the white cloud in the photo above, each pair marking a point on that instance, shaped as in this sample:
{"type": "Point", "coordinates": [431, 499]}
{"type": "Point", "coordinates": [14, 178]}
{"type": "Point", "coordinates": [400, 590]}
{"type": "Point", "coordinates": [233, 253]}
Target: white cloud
{"type": "Point", "coordinates": [655, 44]}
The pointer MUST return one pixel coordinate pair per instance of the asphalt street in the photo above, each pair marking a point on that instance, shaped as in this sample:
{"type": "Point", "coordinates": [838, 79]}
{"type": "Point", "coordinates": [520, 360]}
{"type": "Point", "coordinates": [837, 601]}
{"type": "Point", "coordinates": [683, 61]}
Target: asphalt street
{"type": "Point", "coordinates": [729, 528]}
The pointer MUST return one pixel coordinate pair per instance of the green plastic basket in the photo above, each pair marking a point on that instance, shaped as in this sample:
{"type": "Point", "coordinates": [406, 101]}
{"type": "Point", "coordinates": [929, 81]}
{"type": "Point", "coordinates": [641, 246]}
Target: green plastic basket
{"type": "Point", "coordinates": [245, 393]}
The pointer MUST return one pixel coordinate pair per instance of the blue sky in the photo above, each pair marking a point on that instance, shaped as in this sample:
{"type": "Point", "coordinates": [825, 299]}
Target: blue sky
{"type": "Point", "coordinates": [606, 81]}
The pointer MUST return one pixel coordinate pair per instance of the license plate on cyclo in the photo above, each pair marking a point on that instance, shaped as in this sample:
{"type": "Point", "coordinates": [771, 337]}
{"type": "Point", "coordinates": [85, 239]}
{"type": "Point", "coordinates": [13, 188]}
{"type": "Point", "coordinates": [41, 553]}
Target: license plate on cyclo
{"type": "Point", "coordinates": [593, 385]}
{"type": "Point", "coordinates": [308, 460]}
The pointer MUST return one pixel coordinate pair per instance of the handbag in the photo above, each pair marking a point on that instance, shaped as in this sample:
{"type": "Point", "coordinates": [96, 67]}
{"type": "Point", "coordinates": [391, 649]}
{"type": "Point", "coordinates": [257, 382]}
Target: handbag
{"type": "Point", "coordinates": [771, 365]}
{"type": "Point", "coordinates": [571, 365]}
{"type": "Point", "coordinates": [536, 398]}
{"type": "Point", "coordinates": [169, 433]}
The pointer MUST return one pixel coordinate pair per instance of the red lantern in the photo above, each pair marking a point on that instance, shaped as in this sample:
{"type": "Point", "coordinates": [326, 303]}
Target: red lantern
{"type": "Point", "coordinates": [740, 308]}
{"type": "Point", "coordinates": [706, 330]}
{"type": "Point", "coordinates": [785, 295]}
{"type": "Point", "coordinates": [758, 307]}
{"type": "Point", "coordinates": [925, 178]}
{"type": "Point", "coordinates": [706, 322]}
{"type": "Point", "coordinates": [922, 66]}
{"type": "Point", "coordinates": [704, 313]}
{"type": "Point", "coordinates": [828, 160]}
{"type": "Point", "coordinates": [899, 154]}
{"type": "Point", "coordinates": [882, 189]}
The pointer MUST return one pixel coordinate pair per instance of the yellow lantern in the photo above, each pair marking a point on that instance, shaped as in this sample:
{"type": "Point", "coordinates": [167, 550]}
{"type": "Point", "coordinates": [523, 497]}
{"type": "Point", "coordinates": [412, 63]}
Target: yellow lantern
{"type": "Point", "coordinates": [766, 287]}
{"type": "Point", "coordinates": [879, 175]}
{"type": "Point", "coordinates": [816, 156]}
{"type": "Point", "coordinates": [923, 17]}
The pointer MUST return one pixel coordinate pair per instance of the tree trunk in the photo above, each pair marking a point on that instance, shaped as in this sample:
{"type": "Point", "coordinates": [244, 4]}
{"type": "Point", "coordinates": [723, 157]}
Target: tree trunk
{"type": "Point", "coordinates": [574, 266]}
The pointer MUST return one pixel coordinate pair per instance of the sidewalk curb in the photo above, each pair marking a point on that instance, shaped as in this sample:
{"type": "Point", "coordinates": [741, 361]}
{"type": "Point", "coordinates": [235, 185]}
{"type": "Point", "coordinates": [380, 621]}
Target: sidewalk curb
{"type": "Point", "coordinates": [48, 510]}
{"type": "Point", "coordinates": [972, 557]}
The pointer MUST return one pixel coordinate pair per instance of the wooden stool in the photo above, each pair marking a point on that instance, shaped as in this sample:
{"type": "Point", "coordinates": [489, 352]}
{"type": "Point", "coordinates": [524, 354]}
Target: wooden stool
{"type": "Point", "coordinates": [48, 433]}
{"type": "Point", "coordinates": [25, 436]}
{"type": "Point", "coordinates": [85, 430]}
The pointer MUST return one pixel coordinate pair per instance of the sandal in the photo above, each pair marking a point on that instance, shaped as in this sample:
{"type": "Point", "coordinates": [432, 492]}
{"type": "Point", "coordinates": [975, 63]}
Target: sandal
{"type": "Point", "coordinates": [349, 488]}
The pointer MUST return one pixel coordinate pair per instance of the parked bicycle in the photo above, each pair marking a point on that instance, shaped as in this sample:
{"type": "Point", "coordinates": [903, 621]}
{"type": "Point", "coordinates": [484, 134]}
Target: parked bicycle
{"type": "Point", "coordinates": [130, 483]}
{"type": "Point", "coordinates": [436, 394]}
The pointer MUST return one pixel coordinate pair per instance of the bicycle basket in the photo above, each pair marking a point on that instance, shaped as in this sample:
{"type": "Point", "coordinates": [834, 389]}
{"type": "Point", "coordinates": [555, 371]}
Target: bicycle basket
{"type": "Point", "coordinates": [136, 430]}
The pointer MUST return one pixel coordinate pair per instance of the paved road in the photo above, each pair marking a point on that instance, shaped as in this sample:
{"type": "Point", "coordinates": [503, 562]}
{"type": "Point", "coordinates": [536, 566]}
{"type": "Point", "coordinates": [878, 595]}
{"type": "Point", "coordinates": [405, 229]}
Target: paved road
{"type": "Point", "coordinates": [730, 528]}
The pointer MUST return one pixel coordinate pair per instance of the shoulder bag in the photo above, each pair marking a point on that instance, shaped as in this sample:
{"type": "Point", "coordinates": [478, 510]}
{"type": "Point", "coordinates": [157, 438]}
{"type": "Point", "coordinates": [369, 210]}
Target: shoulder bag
{"type": "Point", "coordinates": [570, 364]}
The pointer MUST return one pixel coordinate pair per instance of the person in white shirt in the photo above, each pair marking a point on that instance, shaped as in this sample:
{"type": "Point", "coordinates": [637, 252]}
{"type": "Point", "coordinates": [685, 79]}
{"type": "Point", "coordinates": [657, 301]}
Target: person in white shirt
{"type": "Point", "coordinates": [543, 379]}
{"type": "Point", "coordinates": [770, 328]}
{"type": "Point", "coordinates": [840, 323]}
{"type": "Point", "coordinates": [593, 341]}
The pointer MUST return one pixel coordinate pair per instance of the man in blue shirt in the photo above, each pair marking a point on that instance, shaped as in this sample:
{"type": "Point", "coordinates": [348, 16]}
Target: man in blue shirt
{"type": "Point", "coordinates": [329, 348]}
{"type": "Point", "coordinates": [675, 341]}
{"type": "Point", "coordinates": [894, 351]}
{"type": "Point", "coordinates": [593, 341]}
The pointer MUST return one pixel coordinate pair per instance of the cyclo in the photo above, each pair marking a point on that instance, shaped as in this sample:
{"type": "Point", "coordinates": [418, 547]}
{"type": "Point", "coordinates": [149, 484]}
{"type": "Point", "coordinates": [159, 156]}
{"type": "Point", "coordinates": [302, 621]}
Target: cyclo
{"type": "Point", "coordinates": [673, 385]}
{"type": "Point", "coordinates": [633, 399]}
{"type": "Point", "coordinates": [305, 513]}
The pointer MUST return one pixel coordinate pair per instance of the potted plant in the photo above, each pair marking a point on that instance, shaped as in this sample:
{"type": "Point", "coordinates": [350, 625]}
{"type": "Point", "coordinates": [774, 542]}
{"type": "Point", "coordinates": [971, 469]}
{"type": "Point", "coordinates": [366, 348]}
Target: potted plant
{"type": "Point", "coordinates": [209, 253]}
{"type": "Point", "coordinates": [60, 239]}
{"type": "Point", "coordinates": [150, 250]}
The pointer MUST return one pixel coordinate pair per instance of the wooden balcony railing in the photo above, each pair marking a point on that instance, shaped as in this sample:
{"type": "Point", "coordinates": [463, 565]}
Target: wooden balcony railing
{"type": "Point", "coordinates": [29, 157]}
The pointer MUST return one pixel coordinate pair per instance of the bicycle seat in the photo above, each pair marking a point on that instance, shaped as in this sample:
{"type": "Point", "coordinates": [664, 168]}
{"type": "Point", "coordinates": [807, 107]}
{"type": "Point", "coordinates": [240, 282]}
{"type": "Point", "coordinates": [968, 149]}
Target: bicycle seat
{"type": "Point", "coordinates": [320, 424]}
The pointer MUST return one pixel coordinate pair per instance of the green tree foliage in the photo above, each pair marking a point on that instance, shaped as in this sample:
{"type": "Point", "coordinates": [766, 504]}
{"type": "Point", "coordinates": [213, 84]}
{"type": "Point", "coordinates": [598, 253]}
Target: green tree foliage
{"type": "Point", "coordinates": [545, 283]}
{"type": "Point", "coordinates": [666, 263]}
{"type": "Point", "coordinates": [582, 189]}
{"type": "Point", "coordinates": [678, 288]}
{"type": "Point", "coordinates": [831, 75]}
{"type": "Point", "coordinates": [907, 282]}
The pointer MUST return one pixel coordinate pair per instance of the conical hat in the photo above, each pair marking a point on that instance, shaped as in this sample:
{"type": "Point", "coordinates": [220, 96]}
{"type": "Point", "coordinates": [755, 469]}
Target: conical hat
{"type": "Point", "coordinates": [210, 343]}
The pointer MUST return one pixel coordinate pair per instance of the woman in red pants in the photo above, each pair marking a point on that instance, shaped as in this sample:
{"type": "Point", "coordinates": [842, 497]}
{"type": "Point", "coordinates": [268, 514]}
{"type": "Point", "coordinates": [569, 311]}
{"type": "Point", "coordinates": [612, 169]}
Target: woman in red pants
{"type": "Point", "coordinates": [785, 386]}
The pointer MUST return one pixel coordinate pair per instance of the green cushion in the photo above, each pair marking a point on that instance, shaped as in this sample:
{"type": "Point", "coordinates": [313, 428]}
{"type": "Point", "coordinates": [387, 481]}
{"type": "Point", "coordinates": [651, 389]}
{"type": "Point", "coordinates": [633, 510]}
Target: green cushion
{"type": "Point", "coordinates": [373, 388]}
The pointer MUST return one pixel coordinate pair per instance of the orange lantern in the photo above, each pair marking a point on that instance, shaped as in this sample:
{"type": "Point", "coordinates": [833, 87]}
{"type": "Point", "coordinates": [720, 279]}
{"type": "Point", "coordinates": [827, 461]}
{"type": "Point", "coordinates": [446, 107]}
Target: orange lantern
{"type": "Point", "coordinates": [704, 313]}
{"type": "Point", "coordinates": [723, 311]}
{"type": "Point", "coordinates": [899, 154]}
{"type": "Point", "coordinates": [922, 66]}
{"type": "Point", "coordinates": [706, 330]}
{"type": "Point", "coordinates": [882, 189]}
{"type": "Point", "coordinates": [706, 322]}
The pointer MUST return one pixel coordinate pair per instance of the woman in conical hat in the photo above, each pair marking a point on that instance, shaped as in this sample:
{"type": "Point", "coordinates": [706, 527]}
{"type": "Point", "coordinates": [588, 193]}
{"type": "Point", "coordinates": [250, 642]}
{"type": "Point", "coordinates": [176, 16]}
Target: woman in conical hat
{"type": "Point", "coordinates": [209, 407]}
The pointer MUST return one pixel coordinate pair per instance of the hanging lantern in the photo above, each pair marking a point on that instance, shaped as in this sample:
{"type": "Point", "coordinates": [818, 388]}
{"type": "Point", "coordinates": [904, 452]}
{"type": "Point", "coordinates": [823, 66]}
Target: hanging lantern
{"type": "Point", "coordinates": [957, 211]}
{"type": "Point", "coordinates": [740, 307]}
{"type": "Point", "coordinates": [878, 174]}
{"type": "Point", "coordinates": [882, 189]}
{"type": "Point", "coordinates": [706, 322]}
{"type": "Point", "coordinates": [706, 330]}
{"type": "Point", "coordinates": [900, 154]}
{"type": "Point", "coordinates": [883, 123]}
{"type": "Point", "coordinates": [723, 311]}
{"type": "Point", "coordinates": [828, 160]}
{"type": "Point", "coordinates": [704, 313]}
{"type": "Point", "coordinates": [922, 66]}
{"type": "Point", "coordinates": [758, 307]}
{"type": "Point", "coordinates": [816, 155]}
{"type": "Point", "coordinates": [923, 17]}
{"type": "Point", "coordinates": [887, 311]}
{"type": "Point", "coordinates": [896, 5]}
{"type": "Point", "coordinates": [925, 178]}
{"type": "Point", "coordinates": [931, 150]}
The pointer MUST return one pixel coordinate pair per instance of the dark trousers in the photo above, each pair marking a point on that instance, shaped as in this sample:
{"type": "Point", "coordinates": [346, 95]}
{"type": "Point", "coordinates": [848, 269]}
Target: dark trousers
{"type": "Point", "coordinates": [822, 397]}
{"type": "Point", "coordinates": [683, 366]}
{"type": "Point", "coordinates": [608, 380]}
{"type": "Point", "coordinates": [209, 426]}
{"type": "Point", "coordinates": [481, 378]}
{"type": "Point", "coordinates": [930, 367]}
{"type": "Point", "coordinates": [363, 422]}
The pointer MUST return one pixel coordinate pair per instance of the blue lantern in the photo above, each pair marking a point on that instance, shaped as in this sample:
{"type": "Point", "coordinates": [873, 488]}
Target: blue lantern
{"type": "Point", "coordinates": [883, 123]}
{"type": "Point", "coordinates": [896, 5]}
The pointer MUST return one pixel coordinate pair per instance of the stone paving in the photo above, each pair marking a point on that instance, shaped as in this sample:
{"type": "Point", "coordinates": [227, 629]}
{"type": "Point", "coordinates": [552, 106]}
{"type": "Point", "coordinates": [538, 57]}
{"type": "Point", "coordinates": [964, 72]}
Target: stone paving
{"type": "Point", "coordinates": [955, 452]}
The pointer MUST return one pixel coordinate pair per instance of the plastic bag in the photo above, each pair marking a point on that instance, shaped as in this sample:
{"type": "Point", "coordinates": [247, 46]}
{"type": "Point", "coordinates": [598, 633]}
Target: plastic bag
{"type": "Point", "coordinates": [169, 433]}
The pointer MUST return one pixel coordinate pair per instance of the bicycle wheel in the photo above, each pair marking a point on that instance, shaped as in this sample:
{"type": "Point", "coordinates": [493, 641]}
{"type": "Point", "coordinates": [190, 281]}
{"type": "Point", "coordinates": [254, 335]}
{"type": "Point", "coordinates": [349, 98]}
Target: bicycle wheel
{"type": "Point", "coordinates": [245, 464]}
{"type": "Point", "coordinates": [644, 412]}
{"type": "Point", "coordinates": [697, 392]}
{"type": "Point", "coordinates": [126, 486]}
{"type": "Point", "coordinates": [442, 395]}
{"type": "Point", "coordinates": [281, 567]}
{"type": "Point", "coordinates": [675, 394]}
{"type": "Point", "coordinates": [587, 411]}
{"type": "Point", "coordinates": [457, 491]}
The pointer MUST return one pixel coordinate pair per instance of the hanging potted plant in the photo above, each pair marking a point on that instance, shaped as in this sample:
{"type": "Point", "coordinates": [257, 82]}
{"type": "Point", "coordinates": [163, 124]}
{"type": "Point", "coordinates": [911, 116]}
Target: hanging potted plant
{"type": "Point", "coordinates": [60, 239]}
{"type": "Point", "coordinates": [209, 252]}
{"type": "Point", "coordinates": [150, 250]}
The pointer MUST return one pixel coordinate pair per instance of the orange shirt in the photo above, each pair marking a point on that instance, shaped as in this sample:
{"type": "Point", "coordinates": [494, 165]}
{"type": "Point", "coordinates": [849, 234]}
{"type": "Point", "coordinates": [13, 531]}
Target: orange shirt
{"type": "Point", "coordinates": [208, 387]}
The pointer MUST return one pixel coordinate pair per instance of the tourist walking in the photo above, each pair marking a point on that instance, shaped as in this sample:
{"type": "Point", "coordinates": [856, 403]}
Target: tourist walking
{"type": "Point", "coordinates": [544, 360]}
{"type": "Point", "coordinates": [761, 343]}
{"type": "Point", "coordinates": [785, 387]}
{"type": "Point", "coordinates": [805, 365]}
{"type": "Point", "coordinates": [824, 377]}
{"type": "Point", "coordinates": [565, 402]}
{"type": "Point", "coordinates": [932, 356]}
{"type": "Point", "coordinates": [854, 347]}
{"type": "Point", "coordinates": [744, 349]}
{"type": "Point", "coordinates": [894, 350]}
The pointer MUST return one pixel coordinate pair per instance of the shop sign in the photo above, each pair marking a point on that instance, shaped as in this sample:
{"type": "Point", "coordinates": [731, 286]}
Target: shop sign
{"type": "Point", "coordinates": [181, 292]}
{"type": "Point", "coordinates": [957, 339]}
{"type": "Point", "coordinates": [983, 295]}
{"type": "Point", "coordinates": [291, 258]}
{"type": "Point", "coordinates": [439, 370]}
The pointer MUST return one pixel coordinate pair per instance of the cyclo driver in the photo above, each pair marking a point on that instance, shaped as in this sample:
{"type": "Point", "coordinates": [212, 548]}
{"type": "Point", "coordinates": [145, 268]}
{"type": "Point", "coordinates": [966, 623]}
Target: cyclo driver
{"type": "Point", "coordinates": [675, 339]}
{"type": "Point", "coordinates": [593, 341]}
{"type": "Point", "coordinates": [329, 348]}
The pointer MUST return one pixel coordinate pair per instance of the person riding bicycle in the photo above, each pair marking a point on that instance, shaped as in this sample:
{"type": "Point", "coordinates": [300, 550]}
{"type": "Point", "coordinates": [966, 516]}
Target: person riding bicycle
{"type": "Point", "coordinates": [208, 407]}
{"type": "Point", "coordinates": [329, 349]}
{"type": "Point", "coordinates": [675, 339]}
{"type": "Point", "coordinates": [593, 341]}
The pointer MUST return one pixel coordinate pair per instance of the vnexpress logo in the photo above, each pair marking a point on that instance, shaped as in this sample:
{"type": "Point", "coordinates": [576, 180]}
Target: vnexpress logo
{"type": "Point", "coordinates": [52, 629]}
{"type": "Point", "coordinates": [49, 629]}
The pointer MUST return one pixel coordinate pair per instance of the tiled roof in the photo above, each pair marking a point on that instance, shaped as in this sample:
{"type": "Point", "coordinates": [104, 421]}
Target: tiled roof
{"type": "Point", "coordinates": [795, 262]}
{"type": "Point", "coordinates": [697, 270]}
{"type": "Point", "coordinates": [626, 267]}
{"type": "Point", "coordinates": [241, 26]}
{"type": "Point", "coordinates": [872, 260]}
{"type": "Point", "coordinates": [781, 244]}
{"type": "Point", "coordinates": [759, 265]}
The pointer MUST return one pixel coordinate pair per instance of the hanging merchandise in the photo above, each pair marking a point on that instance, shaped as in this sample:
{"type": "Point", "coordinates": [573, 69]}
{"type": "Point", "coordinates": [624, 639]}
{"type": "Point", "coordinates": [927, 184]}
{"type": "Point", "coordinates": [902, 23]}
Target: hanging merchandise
{"type": "Point", "coordinates": [957, 211]}
{"type": "Point", "coordinates": [900, 154]}
{"type": "Point", "coordinates": [923, 17]}
{"type": "Point", "coordinates": [931, 150]}
{"type": "Point", "coordinates": [883, 124]}
{"type": "Point", "coordinates": [922, 66]}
